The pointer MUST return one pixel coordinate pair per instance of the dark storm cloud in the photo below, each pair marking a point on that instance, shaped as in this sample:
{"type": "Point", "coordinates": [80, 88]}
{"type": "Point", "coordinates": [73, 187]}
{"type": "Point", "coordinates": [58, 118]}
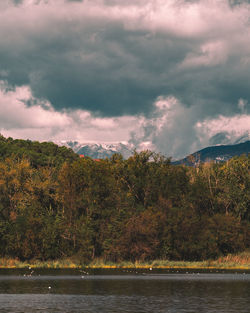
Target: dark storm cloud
{"type": "Point", "coordinates": [116, 72]}
{"type": "Point", "coordinates": [77, 55]}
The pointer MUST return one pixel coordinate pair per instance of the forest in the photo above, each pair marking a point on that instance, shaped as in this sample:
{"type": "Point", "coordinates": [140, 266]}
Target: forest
{"type": "Point", "coordinates": [54, 204]}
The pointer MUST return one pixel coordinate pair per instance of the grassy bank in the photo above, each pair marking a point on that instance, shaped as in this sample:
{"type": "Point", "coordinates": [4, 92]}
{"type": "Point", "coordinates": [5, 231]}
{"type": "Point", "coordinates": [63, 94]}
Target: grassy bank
{"type": "Point", "coordinates": [239, 261]}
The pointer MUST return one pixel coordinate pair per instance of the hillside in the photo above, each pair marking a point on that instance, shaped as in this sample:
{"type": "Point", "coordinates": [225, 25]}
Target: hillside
{"type": "Point", "coordinates": [216, 153]}
{"type": "Point", "coordinates": [38, 153]}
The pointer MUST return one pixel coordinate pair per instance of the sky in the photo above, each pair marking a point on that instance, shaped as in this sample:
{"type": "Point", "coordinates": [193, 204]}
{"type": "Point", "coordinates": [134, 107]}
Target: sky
{"type": "Point", "coordinates": [169, 75]}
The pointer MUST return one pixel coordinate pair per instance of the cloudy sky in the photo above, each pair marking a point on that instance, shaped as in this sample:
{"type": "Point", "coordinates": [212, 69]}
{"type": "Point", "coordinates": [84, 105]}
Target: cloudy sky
{"type": "Point", "coordinates": [171, 75]}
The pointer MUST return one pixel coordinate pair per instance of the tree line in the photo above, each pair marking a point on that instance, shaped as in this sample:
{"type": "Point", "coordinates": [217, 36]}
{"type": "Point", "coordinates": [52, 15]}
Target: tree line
{"type": "Point", "coordinates": [54, 204]}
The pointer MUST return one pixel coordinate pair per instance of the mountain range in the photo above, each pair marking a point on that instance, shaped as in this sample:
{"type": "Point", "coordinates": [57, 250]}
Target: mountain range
{"type": "Point", "coordinates": [216, 153]}
{"type": "Point", "coordinates": [99, 150]}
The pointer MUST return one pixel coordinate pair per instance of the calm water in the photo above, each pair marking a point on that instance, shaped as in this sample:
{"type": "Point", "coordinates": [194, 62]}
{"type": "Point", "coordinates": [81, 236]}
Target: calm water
{"type": "Point", "coordinates": [113, 291]}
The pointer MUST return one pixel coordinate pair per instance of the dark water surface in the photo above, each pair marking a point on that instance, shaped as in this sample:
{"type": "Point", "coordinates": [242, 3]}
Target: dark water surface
{"type": "Point", "coordinates": [120, 291]}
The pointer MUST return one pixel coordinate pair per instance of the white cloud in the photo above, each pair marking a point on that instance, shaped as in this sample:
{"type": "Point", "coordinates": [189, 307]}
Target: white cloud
{"type": "Point", "coordinates": [177, 130]}
{"type": "Point", "coordinates": [14, 112]}
{"type": "Point", "coordinates": [41, 122]}
{"type": "Point", "coordinates": [165, 45]}
{"type": "Point", "coordinates": [172, 128]}
{"type": "Point", "coordinates": [210, 54]}
{"type": "Point", "coordinates": [234, 127]}
{"type": "Point", "coordinates": [208, 19]}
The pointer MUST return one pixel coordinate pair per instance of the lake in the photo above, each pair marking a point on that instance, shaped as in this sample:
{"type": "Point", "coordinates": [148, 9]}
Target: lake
{"type": "Point", "coordinates": [120, 291]}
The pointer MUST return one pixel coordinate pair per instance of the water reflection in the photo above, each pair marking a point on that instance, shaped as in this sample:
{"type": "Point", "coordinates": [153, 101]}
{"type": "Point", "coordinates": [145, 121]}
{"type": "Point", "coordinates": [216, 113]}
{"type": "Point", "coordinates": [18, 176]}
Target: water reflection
{"type": "Point", "coordinates": [119, 291]}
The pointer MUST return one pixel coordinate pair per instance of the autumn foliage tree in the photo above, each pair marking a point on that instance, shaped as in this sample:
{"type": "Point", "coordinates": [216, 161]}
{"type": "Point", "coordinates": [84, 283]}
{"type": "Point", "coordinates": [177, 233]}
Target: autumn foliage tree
{"type": "Point", "coordinates": [54, 204]}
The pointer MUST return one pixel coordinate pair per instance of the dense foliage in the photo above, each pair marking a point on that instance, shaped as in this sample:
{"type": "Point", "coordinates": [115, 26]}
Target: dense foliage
{"type": "Point", "coordinates": [38, 154]}
{"type": "Point", "coordinates": [54, 204]}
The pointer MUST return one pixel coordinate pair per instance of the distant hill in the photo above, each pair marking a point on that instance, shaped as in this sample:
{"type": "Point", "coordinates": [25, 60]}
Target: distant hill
{"type": "Point", "coordinates": [216, 153]}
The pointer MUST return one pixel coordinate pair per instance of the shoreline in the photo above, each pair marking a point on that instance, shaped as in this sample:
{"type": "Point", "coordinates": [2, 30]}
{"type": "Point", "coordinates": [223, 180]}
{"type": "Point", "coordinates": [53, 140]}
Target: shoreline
{"type": "Point", "coordinates": [230, 262]}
